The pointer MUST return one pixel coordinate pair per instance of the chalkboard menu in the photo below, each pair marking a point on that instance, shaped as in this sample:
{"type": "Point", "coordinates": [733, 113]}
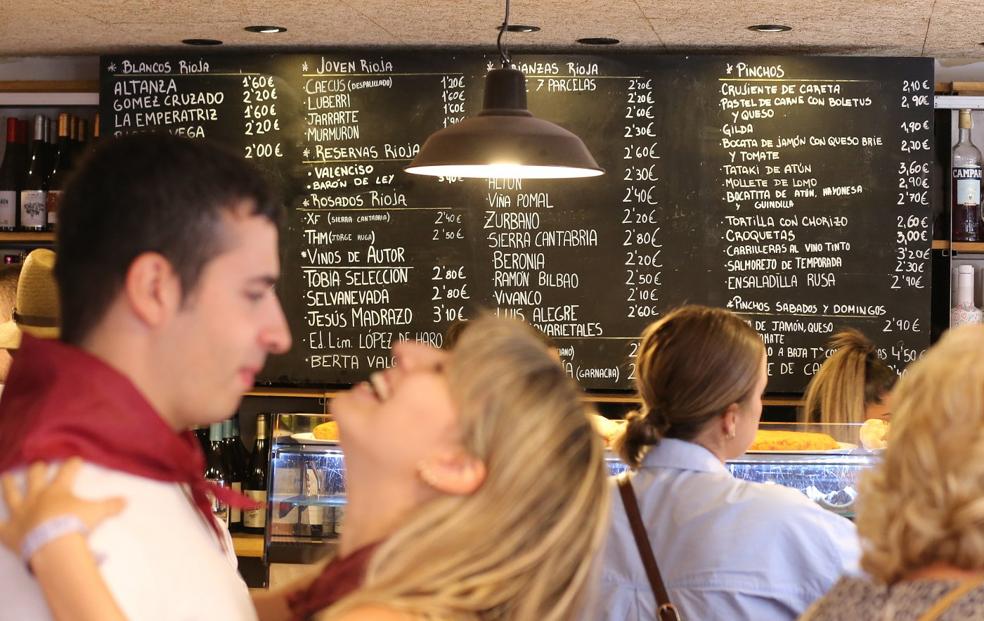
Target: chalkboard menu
{"type": "Point", "coordinates": [793, 190]}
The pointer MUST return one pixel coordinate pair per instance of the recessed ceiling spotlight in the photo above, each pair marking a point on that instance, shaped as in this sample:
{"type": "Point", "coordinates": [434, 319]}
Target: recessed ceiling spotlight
{"type": "Point", "coordinates": [598, 41]}
{"type": "Point", "coordinates": [519, 28]}
{"type": "Point", "coordinates": [265, 29]}
{"type": "Point", "coordinates": [770, 28]}
{"type": "Point", "coordinates": [201, 41]}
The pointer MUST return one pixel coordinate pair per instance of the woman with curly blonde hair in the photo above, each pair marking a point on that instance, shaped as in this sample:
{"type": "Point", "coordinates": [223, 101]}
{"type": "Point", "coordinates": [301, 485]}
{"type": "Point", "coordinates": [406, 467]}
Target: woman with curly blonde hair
{"type": "Point", "coordinates": [921, 510]}
{"type": "Point", "coordinates": [476, 490]}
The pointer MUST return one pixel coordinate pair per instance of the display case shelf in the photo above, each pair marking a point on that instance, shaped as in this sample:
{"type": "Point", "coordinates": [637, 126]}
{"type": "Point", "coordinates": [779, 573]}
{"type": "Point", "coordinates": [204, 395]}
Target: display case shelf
{"type": "Point", "coordinates": [958, 102]}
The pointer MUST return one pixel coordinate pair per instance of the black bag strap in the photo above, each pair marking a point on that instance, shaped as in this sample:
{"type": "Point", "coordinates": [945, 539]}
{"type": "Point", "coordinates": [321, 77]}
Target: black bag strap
{"type": "Point", "coordinates": [665, 610]}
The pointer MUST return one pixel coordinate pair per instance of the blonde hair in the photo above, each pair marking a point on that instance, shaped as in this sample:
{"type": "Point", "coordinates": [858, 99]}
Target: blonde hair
{"type": "Point", "coordinates": [8, 289]}
{"type": "Point", "coordinates": [522, 546]}
{"type": "Point", "coordinates": [849, 380]}
{"type": "Point", "coordinates": [691, 365]}
{"type": "Point", "coordinates": [924, 502]}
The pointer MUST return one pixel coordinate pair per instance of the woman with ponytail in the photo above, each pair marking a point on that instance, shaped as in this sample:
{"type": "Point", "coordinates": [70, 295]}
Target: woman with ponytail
{"type": "Point", "coordinates": [726, 549]}
{"type": "Point", "coordinates": [851, 385]}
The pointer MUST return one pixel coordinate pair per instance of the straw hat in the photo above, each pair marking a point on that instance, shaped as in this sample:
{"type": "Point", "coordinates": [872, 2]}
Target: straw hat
{"type": "Point", "coordinates": [36, 309]}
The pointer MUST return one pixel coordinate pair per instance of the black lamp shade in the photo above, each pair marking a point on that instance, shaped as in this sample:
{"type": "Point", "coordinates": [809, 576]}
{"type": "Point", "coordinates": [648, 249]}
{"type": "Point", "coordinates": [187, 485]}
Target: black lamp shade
{"type": "Point", "coordinates": [504, 141]}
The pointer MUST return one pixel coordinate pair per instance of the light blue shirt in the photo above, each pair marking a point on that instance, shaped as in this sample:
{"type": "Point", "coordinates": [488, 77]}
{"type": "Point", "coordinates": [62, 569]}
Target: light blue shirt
{"type": "Point", "coordinates": [727, 549]}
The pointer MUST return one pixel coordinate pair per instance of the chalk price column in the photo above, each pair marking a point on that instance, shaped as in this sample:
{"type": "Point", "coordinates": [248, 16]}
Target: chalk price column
{"type": "Point", "coordinates": [260, 117]}
{"type": "Point", "coordinates": [912, 234]}
{"type": "Point", "coordinates": [642, 245]}
{"type": "Point", "coordinates": [452, 98]}
{"type": "Point", "coordinates": [449, 282]}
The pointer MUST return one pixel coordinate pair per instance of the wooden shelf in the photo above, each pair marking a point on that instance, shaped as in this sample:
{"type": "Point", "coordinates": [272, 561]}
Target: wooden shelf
{"type": "Point", "coordinates": [590, 397]}
{"type": "Point", "coordinates": [46, 237]}
{"type": "Point", "coordinates": [49, 93]}
{"type": "Point", "coordinates": [787, 401]}
{"type": "Point", "coordinates": [247, 545]}
{"type": "Point", "coordinates": [960, 247]}
{"type": "Point", "coordinates": [299, 393]}
{"type": "Point", "coordinates": [959, 88]}
{"type": "Point", "coordinates": [49, 86]}
{"type": "Point", "coordinates": [599, 397]}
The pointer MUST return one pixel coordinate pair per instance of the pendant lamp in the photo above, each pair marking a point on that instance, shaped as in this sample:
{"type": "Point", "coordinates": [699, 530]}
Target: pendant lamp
{"type": "Point", "coordinates": [504, 140]}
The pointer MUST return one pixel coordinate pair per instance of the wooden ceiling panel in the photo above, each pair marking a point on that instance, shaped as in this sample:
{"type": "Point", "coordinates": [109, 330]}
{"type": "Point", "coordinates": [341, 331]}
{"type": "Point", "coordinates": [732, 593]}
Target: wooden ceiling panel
{"type": "Point", "coordinates": [941, 28]}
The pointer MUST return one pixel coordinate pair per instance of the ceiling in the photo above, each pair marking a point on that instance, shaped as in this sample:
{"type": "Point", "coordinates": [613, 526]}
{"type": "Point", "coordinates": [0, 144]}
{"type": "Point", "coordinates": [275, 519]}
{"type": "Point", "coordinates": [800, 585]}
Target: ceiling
{"type": "Point", "coordinates": [938, 28]}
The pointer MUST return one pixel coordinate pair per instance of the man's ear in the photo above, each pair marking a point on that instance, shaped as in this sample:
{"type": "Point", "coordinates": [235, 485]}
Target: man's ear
{"type": "Point", "coordinates": [152, 288]}
{"type": "Point", "coordinates": [456, 472]}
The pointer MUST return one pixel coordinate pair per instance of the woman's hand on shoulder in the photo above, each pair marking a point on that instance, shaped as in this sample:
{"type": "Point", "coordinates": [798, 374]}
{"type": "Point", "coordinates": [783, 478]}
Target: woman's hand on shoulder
{"type": "Point", "coordinates": [42, 501]}
{"type": "Point", "coordinates": [372, 613]}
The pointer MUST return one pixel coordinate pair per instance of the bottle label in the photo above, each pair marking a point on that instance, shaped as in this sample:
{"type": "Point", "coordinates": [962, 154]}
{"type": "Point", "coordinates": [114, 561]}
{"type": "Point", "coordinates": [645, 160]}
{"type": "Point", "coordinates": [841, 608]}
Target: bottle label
{"type": "Point", "coordinates": [967, 172]}
{"type": "Point", "coordinates": [255, 518]}
{"type": "Point", "coordinates": [219, 509]}
{"type": "Point", "coordinates": [967, 185]}
{"type": "Point", "coordinates": [235, 513]}
{"type": "Point", "coordinates": [54, 198]}
{"type": "Point", "coordinates": [33, 203]}
{"type": "Point", "coordinates": [968, 191]}
{"type": "Point", "coordinates": [8, 210]}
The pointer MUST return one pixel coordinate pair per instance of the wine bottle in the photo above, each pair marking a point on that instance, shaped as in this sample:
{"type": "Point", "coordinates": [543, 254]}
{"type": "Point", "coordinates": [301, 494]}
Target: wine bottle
{"type": "Point", "coordinates": [78, 144]}
{"type": "Point", "coordinates": [50, 146]}
{"type": "Point", "coordinates": [201, 433]}
{"type": "Point", "coordinates": [964, 312]}
{"type": "Point", "coordinates": [11, 175]}
{"type": "Point", "coordinates": [255, 483]}
{"type": "Point", "coordinates": [83, 136]}
{"type": "Point", "coordinates": [237, 444]}
{"type": "Point", "coordinates": [32, 194]}
{"type": "Point", "coordinates": [966, 185]}
{"type": "Point", "coordinates": [215, 471]}
{"type": "Point", "coordinates": [235, 470]}
{"type": "Point", "coordinates": [59, 172]}
{"type": "Point", "coordinates": [313, 513]}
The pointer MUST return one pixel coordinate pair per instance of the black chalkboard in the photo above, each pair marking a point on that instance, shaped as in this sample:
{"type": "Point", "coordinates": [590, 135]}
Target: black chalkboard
{"type": "Point", "coordinates": [793, 190]}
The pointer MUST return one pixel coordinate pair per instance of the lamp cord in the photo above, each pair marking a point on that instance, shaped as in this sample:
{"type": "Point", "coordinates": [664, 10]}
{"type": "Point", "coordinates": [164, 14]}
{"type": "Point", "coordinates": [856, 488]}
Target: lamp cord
{"type": "Point", "coordinates": [503, 55]}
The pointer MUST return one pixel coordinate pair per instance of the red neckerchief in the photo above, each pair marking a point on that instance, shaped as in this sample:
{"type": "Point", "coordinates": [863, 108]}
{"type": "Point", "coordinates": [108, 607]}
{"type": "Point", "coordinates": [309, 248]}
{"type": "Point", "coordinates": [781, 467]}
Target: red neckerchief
{"type": "Point", "coordinates": [338, 578]}
{"type": "Point", "coordinates": [62, 402]}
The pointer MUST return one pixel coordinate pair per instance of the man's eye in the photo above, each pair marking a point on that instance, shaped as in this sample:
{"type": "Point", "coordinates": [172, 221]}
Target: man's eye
{"type": "Point", "coordinates": [256, 296]}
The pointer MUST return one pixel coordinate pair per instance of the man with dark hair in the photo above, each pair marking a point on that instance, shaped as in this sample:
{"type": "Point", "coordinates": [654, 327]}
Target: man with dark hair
{"type": "Point", "coordinates": [167, 257]}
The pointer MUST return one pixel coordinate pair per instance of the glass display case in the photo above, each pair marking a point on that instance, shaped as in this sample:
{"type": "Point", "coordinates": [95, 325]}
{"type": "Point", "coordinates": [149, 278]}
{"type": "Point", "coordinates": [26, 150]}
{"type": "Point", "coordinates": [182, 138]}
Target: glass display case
{"type": "Point", "coordinates": [306, 491]}
{"type": "Point", "coordinates": [307, 488]}
{"type": "Point", "coordinates": [829, 477]}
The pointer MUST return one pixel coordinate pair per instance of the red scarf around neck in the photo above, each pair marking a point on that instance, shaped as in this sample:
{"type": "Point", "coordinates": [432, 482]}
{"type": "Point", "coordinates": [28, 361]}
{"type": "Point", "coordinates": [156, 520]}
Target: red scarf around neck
{"type": "Point", "coordinates": [61, 402]}
{"type": "Point", "coordinates": [338, 579]}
